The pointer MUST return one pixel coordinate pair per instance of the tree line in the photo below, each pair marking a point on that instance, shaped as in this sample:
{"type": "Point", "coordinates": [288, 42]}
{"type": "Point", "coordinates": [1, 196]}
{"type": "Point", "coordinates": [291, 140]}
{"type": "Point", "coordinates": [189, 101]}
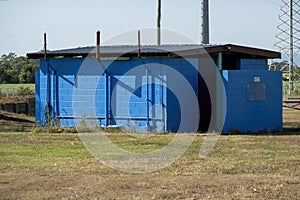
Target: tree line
{"type": "Point", "coordinates": [284, 67]}
{"type": "Point", "coordinates": [17, 69]}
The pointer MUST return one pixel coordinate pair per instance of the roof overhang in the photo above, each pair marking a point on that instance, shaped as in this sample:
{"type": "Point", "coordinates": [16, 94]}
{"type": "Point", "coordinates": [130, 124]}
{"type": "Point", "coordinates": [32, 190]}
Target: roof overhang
{"type": "Point", "coordinates": [159, 51]}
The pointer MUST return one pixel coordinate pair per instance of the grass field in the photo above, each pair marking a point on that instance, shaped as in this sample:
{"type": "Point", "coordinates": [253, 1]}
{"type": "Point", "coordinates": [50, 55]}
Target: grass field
{"type": "Point", "coordinates": [13, 90]}
{"type": "Point", "coordinates": [291, 119]}
{"type": "Point", "coordinates": [58, 166]}
{"type": "Point", "coordinates": [16, 86]}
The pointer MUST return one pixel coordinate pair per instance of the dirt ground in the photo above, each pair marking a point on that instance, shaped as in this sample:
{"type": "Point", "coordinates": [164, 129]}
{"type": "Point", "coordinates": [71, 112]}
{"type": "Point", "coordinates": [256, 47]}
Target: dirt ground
{"type": "Point", "coordinates": [89, 180]}
{"type": "Point", "coordinates": [15, 99]}
{"type": "Point", "coordinates": [15, 122]}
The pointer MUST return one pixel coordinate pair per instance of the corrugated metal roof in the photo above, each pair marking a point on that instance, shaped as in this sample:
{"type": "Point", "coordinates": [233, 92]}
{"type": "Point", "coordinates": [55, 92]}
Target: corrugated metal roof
{"type": "Point", "coordinates": [123, 49]}
{"type": "Point", "coordinates": [151, 50]}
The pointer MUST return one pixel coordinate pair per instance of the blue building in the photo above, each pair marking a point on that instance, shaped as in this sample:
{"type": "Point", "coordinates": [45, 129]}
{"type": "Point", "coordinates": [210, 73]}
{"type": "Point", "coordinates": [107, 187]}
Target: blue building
{"type": "Point", "coordinates": [171, 88]}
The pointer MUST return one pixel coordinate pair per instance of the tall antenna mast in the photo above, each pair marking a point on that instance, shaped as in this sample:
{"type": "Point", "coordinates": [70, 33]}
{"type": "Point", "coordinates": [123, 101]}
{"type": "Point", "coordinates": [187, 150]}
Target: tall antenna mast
{"type": "Point", "coordinates": [205, 22]}
{"type": "Point", "coordinates": [288, 38]}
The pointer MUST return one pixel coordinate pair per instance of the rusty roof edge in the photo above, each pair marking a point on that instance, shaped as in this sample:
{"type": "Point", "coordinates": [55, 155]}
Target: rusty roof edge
{"type": "Point", "coordinates": [252, 51]}
{"type": "Point", "coordinates": [187, 49]}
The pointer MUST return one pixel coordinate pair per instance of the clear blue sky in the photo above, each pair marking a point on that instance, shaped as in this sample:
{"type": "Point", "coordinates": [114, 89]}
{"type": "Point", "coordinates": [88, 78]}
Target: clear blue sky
{"type": "Point", "coordinates": [72, 23]}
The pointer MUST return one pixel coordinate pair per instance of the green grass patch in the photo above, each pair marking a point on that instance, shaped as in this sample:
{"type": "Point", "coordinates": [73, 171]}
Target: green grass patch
{"type": "Point", "coordinates": [17, 86]}
{"type": "Point", "coordinates": [25, 149]}
{"type": "Point", "coordinates": [231, 155]}
{"type": "Point", "coordinates": [139, 145]}
{"type": "Point", "coordinates": [11, 90]}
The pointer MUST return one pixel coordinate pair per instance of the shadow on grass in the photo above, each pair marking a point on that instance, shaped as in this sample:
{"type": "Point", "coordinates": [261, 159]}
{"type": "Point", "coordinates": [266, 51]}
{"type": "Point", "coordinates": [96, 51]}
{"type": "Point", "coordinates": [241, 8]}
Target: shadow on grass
{"type": "Point", "coordinates": [285, 131]}
{"type": "Point", "coordinates": [3, 117]}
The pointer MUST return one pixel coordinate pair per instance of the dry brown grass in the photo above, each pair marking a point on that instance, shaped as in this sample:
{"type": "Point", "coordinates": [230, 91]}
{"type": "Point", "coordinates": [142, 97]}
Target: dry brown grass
{"type": "Point", "coordinates": [57, 166]}
{"type": "Point", "coordinates": [291, 118]}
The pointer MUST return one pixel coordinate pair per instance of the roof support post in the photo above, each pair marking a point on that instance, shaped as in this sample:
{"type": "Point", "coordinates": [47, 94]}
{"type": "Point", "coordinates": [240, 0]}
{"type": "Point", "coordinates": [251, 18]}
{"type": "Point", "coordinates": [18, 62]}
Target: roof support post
{"type": "Point", "coordinates": [205, 22]}
{"type": "Point", "coordinates": [147, 98]}
{"type": "Point", "coordinates": [220, 60]}
{"type": "Point", "coordinates": [139, 44]}
{"type": "Point", "coordinates": [107, 100]}
{"type": "Point", "coordinates": [98, 45]}
{"type": "Point", "coordinates": [48, 107]}
{"type": "Point", "coordinates": [159, 23]}
{"type": "Point", "coordinates": [45, 46]}
{"type": "Point", "coordinates": [219, 93]}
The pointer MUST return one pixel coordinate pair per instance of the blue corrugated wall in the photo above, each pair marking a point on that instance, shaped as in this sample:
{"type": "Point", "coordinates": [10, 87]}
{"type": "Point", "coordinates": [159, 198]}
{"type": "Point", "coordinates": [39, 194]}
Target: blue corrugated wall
{"type": "Point", "coordinates": [37, 99]}
{"type": "Point", "coordinates": [244, 112]}
{"type": "Point", "coordinates": [123, 97]}
{"type": "Point", "coordinates": [252, 64]}
{"type": "Point", "coordinates": [74, 93]}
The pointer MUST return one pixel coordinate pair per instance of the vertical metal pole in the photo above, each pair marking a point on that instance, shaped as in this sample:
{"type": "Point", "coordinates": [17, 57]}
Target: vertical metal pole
{"type": "Point", "coordinates": [147, 80]}
{"type": "Point", "coordinates": [291, 74]}
{"type": "Point", "coordinates": [45, 46]}
{"type": "Point", "coordinates": [159, 23]}
{"type": "Point", "coordinates": [98, 45]}
{"type": "Point", "coordinates": [107, 100]}
{"type": "Point", "coordinates": [57, 93]}
{"type": "Point", "coordinates": [219, 93]}
{"type": "Point", "coordinates": [107, 85]}
{"type": "Point", "coordinates": [139, 44]}
{"type": "Point", "coordinates": [49, 114]}
{"type": "Point", "coordinates": [163, 101]}
{"type": "Point", "coordinates": [205, 22]}
{"type": "Point", "coordinates": [220, 60]}
{"type": "Point", "coordinates": [48, 98]}
{"type": "Point", "coordinates": [147, 96]}
{"type": "Point", "coordinates": [53, 96]}
{"type": "Point", "coordinates": [48, 68]}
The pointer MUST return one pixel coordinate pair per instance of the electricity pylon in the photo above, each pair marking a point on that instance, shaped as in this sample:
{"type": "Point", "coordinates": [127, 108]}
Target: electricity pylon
{"type": "Point", "coordinates": [288, 37]}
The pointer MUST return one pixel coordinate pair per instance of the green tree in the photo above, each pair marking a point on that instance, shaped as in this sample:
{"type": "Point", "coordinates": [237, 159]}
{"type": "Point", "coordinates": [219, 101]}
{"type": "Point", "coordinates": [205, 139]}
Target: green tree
{"type": "Point", "coordinates": [3, 75]}
{"type": "Point", "coordinates": [27, 73]}
{"type": "Point", "coordinates": [6, 60]}
{"type": "Point", "coordinates": [12, 76]}
{"type": "Point", "coordinates": [279, 66]}
{"type": "Point", "coordinates": [17, 69]}
{"type": "Point", "coordinates": [296, 73]}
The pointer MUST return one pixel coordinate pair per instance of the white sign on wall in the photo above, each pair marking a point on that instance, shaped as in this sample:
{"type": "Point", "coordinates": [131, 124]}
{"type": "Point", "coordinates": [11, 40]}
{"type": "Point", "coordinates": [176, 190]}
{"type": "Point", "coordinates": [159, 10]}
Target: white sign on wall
{"type": "Point", "coordinates": [257, 79]}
